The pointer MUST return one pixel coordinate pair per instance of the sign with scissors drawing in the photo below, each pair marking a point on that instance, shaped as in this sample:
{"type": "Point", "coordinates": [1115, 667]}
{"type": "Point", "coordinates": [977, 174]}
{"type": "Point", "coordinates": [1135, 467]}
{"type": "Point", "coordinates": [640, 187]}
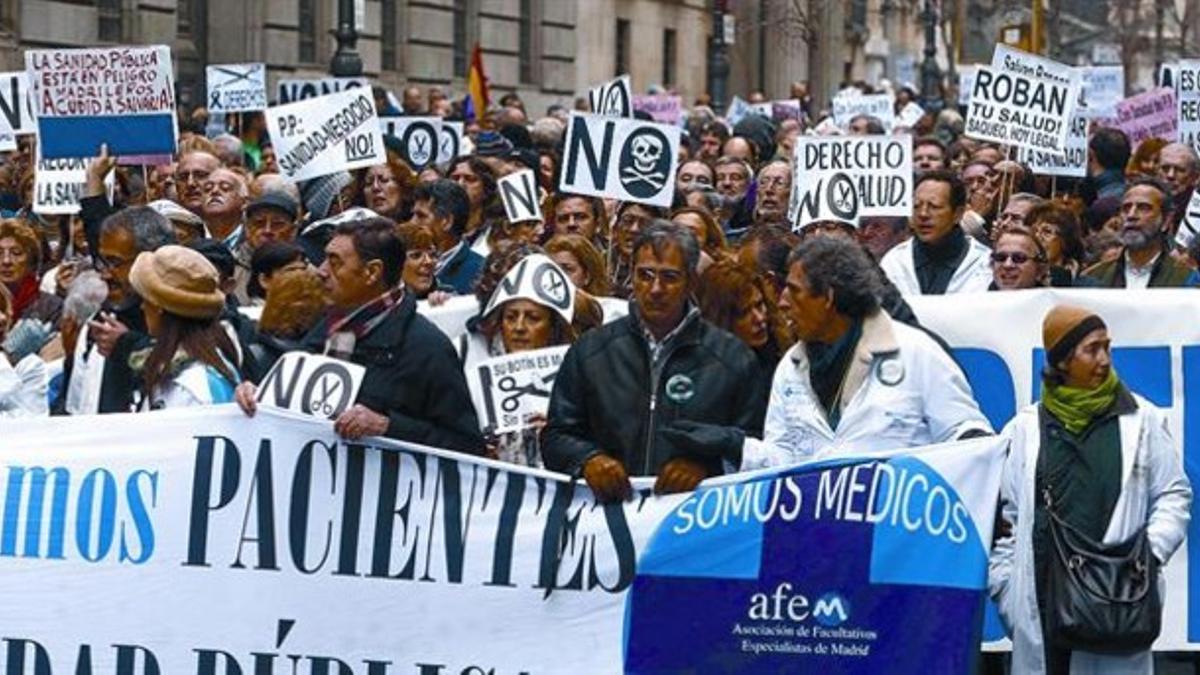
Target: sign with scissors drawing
{"type": "Point", "coordinates": [311, 384]}
{"type": "Point", "coordinates": [510, 390]}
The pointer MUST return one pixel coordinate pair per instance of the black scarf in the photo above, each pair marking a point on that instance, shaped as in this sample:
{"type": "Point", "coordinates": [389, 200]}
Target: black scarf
{"type": "Point", "coordinates": [827, 365]}
{"type": "Point", "coordinates": [935, 263]}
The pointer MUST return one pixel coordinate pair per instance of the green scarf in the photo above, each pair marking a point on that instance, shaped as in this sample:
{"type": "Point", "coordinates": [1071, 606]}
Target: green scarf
{"type": "Point", "coordinates": [1076, 407]}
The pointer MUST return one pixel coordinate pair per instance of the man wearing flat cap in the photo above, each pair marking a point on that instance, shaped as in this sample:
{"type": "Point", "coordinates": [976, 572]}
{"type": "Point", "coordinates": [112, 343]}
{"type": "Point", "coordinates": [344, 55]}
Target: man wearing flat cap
{"type": "Point", "coordinates": [272, 216]}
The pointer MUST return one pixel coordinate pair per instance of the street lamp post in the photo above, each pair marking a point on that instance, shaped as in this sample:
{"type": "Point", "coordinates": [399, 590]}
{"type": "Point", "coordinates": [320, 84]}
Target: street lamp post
{"type": "Point", "coordinates": [931, 75]}
{"type": "Point", "coordinates": [718, 60]}
{"type": "Point", "coordinates": [346, 61]}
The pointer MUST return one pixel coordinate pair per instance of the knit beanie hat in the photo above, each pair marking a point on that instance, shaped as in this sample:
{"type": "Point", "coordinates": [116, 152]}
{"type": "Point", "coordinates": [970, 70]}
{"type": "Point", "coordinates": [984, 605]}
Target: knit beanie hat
{"type": "Point", "coordinates": [1064, 328]}
{"type": "Point", "coordinates": [180, 280]}
{"type": "Point", "coordinates": [318, 194]}
{"type": "Point", "coordinates": [492, 144]}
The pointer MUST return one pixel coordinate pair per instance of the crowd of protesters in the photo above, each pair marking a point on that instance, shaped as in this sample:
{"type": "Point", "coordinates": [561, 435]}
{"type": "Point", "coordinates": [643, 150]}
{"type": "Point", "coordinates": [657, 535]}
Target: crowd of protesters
{"type": "Point", "coordinates": [704, 338]}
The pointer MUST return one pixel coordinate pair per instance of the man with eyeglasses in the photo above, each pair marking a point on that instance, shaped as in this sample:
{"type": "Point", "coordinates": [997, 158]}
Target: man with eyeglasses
{"type": "Point", "coordinates": [1144, 261]}
{"type": "Point", "coordinates": [1018, 261]}
{"type": "Point", "coordinates": [97, 377]}
{"type": "Point", "coordinates": [272, 216]}
{"type": "Point", "coordinates": [191, 174]}
{"type": "Point", "coordinates": [774, 192]}
{"type": "Point", "coordinates": [660, 392]}
{"type": "Point", "coordinates": [1016, 212]}
{"type": "Point", "coordinates": [1179, 168]}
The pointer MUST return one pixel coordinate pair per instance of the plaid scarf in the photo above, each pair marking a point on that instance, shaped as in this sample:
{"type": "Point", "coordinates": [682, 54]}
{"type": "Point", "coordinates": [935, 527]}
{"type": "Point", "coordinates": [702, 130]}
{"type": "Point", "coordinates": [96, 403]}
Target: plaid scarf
{"type": "Point", "coordinates": [359, 323]}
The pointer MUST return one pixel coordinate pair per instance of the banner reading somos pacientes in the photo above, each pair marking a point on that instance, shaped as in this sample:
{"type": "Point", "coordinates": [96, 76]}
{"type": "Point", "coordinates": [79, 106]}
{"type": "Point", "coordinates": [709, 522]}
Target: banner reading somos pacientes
{"type": "Point", "coordinates": [198, 541]}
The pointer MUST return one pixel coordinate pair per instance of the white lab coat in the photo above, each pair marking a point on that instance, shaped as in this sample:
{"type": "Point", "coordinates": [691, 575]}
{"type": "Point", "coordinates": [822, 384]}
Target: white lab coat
{"type": "Point", "coordinates": [974, 273]}
{"type": "Point", "coordinates": [23, 387]}
{"type": "Point", "coordinates": [901, 390]}
{"type": "Point", "coordinates": [1154, 490]}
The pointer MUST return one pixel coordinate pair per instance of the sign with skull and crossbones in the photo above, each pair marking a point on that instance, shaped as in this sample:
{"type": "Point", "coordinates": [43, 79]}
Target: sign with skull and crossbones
{"type": "Point", "coordinates": [624, 159]}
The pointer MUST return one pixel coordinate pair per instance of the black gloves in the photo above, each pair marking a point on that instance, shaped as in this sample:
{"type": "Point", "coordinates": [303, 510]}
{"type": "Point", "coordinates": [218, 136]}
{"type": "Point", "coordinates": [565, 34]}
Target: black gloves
{"type": "Point", "coordinates": [706, 440]}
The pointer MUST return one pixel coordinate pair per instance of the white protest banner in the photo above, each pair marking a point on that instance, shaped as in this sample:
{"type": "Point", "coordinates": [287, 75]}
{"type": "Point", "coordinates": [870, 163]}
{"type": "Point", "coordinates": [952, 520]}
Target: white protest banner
{"type": "Point", "coordinates": [966, 82]}
{"type": "Point", "coordinates": [845, 178]}
{"type": "Point", "coordinates": [1030, 110]}
{"type": "Point", "coordinates": [1103, 88]}
{"type": "Point", "coordinates": [122, 96]}
{"type": "Point", "coordinates": [519, 192]}
{"type": "Point", "coordinates": [237, 87]}
{"type": "Point", "coordinates": [624, 159]}
{"type": "Point", "coordinates": [614, 98]}
{"type": "Point", "coordinates": [420, 138]}
{"type": "Point", "coordinates": [290, 91]}
{"type": "Point", "coordinates": [278, 543]}
{"type": "Point", "coordinates": [850, 105]}
{"type": "Point", "coordinates": [1071, 163]}
{"type": "Point", "coordinates": [1155, 352]}
{"type": "Point", "coordinates": [16, 106]}
{"type": "Point", "coordinates": [510, 391]}
{"type": "Point", "coordinates": [58, 185]}
{"type": "Point", "coordinates": [451, 145]}
{"type": "Point", "coordinates": [909, 115]}
{"type": "Point", "coordinates": [539, 279]}
{"type": "Point", "coordinates": [311, 384]}
{"type": "Point", "coordinates": [662, 108]}
{"type": "Point", "coordinates": [1190, 225]}
{"type": "Point", "coordinates": [1149, 115]}
{"type": "Point", "coordinates": [320, 136]}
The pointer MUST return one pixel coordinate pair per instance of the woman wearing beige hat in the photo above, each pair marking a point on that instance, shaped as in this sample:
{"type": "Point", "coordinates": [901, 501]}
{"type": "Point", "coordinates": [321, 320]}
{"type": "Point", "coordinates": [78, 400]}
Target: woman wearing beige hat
{"type": "Point", "coordinates": [1095, 492]}
{"type": "Point", "coordinates": [191, 362]}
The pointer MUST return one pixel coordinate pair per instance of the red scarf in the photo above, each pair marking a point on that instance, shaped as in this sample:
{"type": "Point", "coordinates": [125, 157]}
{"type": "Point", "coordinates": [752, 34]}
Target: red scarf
{"type": "Point", "coordinates": [24, 293]}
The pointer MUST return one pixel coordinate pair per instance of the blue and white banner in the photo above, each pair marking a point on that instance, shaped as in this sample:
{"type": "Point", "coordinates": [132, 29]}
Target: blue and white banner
{"type": "Point", "coordinates": [122, 96]}
{"type": "Point", "coordinates": [198, 541]}
{"type": "Point", "coordinates": [997, 339]}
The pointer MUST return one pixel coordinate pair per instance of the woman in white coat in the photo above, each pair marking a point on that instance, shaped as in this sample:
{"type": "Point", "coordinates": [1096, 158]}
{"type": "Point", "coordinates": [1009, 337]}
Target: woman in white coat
{"type": "Point", "coordinates": [1111, 468]}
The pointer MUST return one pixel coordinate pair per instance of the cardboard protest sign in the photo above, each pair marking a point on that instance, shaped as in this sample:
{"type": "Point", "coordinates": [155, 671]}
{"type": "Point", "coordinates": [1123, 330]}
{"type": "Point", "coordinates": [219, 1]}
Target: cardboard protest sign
{"type": "Point", "coordinates": [320, 136]}
{"type": "Point", "coordinates": [852, 104]}
{"type": "Point", "coordinates": [1190, 225]}
{"type": "Point", "coordinates": [849, 177]}
{"type": "Point", "coordinates": [519, 192]}
{"type": "Point", "coordinates": [539, 279]}
{"type": "Point", "coordinates": [1071, 163]}
{"type": "Point", "coordinates": [420, 138]}
{"type": "Point", "coordinates": [966, 82]}
{"type": "Point", "coordinates": [663, 108]}
{"type": "Point", "coordinates": [237, 87]}
{"type": "Point", "coordinates": [624, 159]}
{"type": "Point", "coordinates": [1149, 115]}
{"type": "Point", "coordinates": [290, 91]}
{"type": "Point", "coordinates": [58, 185]}
{"type": "Point", "coordinates": [311, 384]}
{"type": "Point", "coordinates": [910, 114]}
{"type": "Point", "coordinates": [16, 106]}
{"type": "Point", "coordinates": [451, 145]}
{"type": "Point", "coordinates": [613, 98]}
{"type": "Point", "coordinates": [510, 390]}
{"type": "Point", "coordinates": [1103, 88]}
{"type": "Point", "coordinates": [122, 96]}
{"type": "Point", "coordinates": [1029, 110]}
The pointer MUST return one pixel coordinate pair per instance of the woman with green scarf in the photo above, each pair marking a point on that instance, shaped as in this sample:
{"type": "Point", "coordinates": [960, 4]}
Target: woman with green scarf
{"type": "Point", "coordinates": [1107, 458]}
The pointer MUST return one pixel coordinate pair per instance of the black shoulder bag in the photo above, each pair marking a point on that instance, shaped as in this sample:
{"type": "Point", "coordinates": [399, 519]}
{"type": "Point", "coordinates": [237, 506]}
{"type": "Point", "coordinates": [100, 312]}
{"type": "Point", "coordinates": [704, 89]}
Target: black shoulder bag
{"type": "Point", "coordinates": [1099, 598]}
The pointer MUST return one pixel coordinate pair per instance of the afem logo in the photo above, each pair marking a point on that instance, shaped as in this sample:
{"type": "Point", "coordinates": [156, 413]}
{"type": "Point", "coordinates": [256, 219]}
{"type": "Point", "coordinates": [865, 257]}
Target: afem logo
{"type": "Point", "coordinates": [830, 610]}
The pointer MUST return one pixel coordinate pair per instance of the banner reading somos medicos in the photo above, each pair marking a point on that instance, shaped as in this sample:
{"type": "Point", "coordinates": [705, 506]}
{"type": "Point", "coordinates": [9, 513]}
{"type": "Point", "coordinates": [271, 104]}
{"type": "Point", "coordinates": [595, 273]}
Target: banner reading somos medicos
{"type": "Point", "coordinates": [202, 542]}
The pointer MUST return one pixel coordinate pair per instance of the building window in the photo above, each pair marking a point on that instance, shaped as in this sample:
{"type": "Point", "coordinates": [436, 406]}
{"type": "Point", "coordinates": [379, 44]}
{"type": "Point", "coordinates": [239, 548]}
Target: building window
{"type": "Point", "coordinates": [388, 36]}
{"type": "Point", "coordinates": [622, 46]}
{"type": "Point", "coordinates": [110, 20]}
{"type": "Point", "coordinates": [308, 31]}
{"type": "Point", "coordinates": [462, 51]}
{"type": "Point", "coordinates": [529, 43]}
{"type": "Point", "coordinates": [668, 58]}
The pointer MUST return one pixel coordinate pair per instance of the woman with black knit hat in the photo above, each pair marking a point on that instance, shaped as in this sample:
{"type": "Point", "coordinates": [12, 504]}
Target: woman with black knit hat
{"type": "Point", "coordinates": [192, 360]}
{"type": "Point", "coordinates": [1093, 488]}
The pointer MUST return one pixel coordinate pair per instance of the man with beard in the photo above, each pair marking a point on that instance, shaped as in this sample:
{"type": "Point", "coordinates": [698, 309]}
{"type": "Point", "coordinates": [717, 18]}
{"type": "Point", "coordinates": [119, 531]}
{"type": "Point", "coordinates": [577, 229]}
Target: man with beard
{"type": "Point", "coordinates": [191, 173]}
{"type": "Point", "coordinates": [97, 377]}
{"type": "Point", "coordinates": [1144, 261]}
{"type": "Point", "coordinates": [774, 191]}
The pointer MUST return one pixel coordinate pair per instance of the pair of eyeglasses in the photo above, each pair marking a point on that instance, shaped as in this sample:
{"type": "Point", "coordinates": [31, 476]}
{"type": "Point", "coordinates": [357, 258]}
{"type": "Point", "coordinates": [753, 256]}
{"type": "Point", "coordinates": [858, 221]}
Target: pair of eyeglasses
{"type": "Point", "coordinates": [1017, 258]}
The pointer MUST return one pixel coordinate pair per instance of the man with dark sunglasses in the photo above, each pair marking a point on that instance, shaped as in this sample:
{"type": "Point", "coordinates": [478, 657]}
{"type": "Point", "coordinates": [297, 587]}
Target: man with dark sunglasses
{"type": "Point", "coordinates": [1018, 261]}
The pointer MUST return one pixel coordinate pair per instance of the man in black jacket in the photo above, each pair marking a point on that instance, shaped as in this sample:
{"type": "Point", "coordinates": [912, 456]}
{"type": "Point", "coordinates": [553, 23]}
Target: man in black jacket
{"type": "Point", "coordinates": [629, 394]}
{"type": "Point", "coordinates": [413, 389]}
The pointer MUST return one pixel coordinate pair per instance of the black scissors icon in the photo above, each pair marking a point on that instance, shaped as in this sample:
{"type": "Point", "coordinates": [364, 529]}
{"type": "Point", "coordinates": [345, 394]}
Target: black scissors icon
{"type": "Point", "coordinates": [236, 75]}
{"type": "Point", "coordinates": [509, 384]}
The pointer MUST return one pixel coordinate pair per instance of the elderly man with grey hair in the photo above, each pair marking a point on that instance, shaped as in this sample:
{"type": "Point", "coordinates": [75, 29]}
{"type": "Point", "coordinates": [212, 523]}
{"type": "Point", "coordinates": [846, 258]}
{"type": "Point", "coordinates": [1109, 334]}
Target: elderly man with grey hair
{"type": "Point", "coordinates": [857, 381]}
{"type": "Point", "coordinates": [97, 376]}
{"type": "Point", "coordinates": [659, 392]}
{"type": "Point", "coordinates": [1179, 168]}
{"type": "Point", "coordinates": [1016, 212]}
